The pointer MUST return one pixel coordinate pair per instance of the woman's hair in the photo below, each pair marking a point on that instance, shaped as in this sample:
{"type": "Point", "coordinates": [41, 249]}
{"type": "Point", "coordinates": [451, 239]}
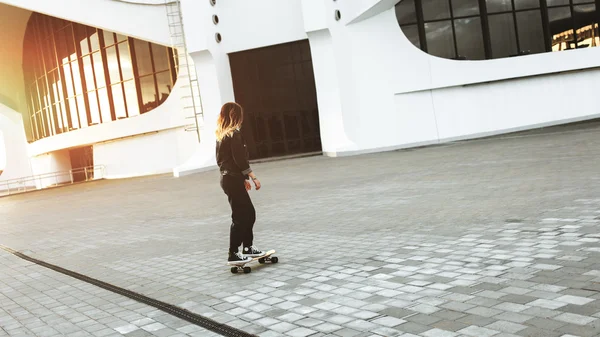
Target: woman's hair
{"type": "Point", "coordinates": [230, 119]}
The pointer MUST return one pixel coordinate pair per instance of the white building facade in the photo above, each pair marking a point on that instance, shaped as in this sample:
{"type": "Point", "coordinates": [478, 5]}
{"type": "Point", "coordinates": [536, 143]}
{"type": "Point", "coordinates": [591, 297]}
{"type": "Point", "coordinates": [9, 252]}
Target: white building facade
{"type": "Point", "coordinates": [106, 82]}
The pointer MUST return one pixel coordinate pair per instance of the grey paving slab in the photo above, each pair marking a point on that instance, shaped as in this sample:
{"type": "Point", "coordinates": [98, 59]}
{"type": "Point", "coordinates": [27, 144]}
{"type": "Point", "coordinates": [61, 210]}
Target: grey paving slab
{"type": "Point", "coordinates": [20, 298]}
{"type": "Point", "coordinates": [493, 237]}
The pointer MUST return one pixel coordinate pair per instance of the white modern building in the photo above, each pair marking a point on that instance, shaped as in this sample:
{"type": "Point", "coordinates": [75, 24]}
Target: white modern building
{"type": "Point", "coordinates": [136, 85]}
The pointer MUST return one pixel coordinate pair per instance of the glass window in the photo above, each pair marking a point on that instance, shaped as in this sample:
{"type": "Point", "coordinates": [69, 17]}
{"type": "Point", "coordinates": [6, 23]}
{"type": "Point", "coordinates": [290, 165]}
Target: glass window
{"type": "Point", "coordinates": [530, 32]}
{"type": "Point", "coordinates": [78, 75]}
{"type": "Point", "coordinates": [465, 7]}
{"type": "Point", "coordinates": [94, 110]}
{"type": "Point", "coordinates": [406, 12]}
{"type": "Point", "coordinates": [469, 38]}
{"type": "Point", "coordinates": [440, 41]}
{"type": "Point", "coordinates": [527, 4]}
{"type": "Point", "coordinates": [161, 58]}
{"type": "Point", "coordinates": [143, 57]}
{"type": "Point", "coordinates": [503, 37]}
{"type": "Point", "coordinates": [88, 70]}
{"type": "Point", "coordinates": [412, 33]}
{"type": "Point", "coordinates": [125, 61]}
{"type": "Point", "coordinates": [83, 115]}
{"type": "Point", "coordinates": [148, 89]}
{"type": "Point", "coordinates": [104, 105]}
{"type": "Point", "coordinates": [94, 39]}
{"type": "Point", "coordinates": [112, 61]}
{"type": "Point", "coordinates": [551, 3]}
{"type": "Point", "coordinates": [435, 9]}
{"type": "Point", "coordinates": [73, 111]}
{"type": "Point", "coordinates": [131, 98]}
{"type": "Point", "coordinates": [119, 101]}
{"type": "Point", "coordinates": [163, 80]}
{"type": "Point", "coordinates": [109, 38]}
{"type": "Point", "coordinates": [561, 28]}
{"type": "Point", "coordinates": [586, 25]}
{"type": "Point", "coordinates": [99, 70]}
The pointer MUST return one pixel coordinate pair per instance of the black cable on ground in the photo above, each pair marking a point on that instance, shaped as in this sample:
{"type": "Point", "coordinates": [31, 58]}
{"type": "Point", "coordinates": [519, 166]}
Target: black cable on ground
{"type": "Point", "coordinates": [204, 322]}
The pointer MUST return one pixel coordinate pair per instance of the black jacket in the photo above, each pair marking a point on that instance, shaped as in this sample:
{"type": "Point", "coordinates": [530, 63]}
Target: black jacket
{"type": "Point", "coordinates": [232, 156]}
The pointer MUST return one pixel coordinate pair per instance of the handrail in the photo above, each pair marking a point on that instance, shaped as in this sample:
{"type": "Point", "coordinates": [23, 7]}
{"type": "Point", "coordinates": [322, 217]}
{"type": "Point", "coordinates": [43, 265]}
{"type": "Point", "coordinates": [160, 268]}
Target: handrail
{"type": "Point", "coordinates": [52, 179]}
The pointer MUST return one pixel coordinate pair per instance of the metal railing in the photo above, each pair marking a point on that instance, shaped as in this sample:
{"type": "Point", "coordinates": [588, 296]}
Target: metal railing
{"type": "Point", "coordinates": [53, 179]}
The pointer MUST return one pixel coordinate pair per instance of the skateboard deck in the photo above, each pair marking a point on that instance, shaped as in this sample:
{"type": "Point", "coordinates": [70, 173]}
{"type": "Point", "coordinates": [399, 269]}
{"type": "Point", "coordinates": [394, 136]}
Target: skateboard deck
{"type": "Point", "coordinates": [235, 268]}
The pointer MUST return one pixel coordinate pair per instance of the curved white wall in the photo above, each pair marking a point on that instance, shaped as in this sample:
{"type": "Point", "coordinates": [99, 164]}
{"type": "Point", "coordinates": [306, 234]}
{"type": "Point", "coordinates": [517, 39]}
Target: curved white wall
{"type": "Point", "coordinates": [143, 22]}
{"type": "Point", "coordinates": [15, 146]}
{"type": "Point", "coordinates": [375, 90]}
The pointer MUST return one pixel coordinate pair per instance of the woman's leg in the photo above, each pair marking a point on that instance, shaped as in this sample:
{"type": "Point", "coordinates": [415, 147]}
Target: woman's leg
{"type": "Point", "coordinates": [242, 211]}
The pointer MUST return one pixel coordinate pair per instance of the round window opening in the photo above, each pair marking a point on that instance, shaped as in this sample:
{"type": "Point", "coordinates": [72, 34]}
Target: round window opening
{"type": "Point", "coordinates": [213, 2]}
{"type": "Point", "coordinates": [218, 37]}
{"type": "Point", "coordinates": [215, 19]}
{"type": "Point", "coordinates": [338, 15]}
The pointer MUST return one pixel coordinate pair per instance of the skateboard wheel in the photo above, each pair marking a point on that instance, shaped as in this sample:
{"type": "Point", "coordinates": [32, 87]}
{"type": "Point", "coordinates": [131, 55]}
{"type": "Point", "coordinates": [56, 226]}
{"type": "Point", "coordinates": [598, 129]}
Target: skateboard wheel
{"type": "Point", "coordinates": [247, 270]}
{"type": "Point", "coordinates": [234, 270]}
{"type": "Point", "coordinates": [261, 260]}
{"type": "Point", "coordinates": [274, 259]}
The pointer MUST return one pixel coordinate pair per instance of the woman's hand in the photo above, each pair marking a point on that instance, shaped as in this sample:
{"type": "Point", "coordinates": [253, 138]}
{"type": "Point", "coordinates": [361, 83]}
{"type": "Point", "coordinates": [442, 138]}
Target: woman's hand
{"type": "Point", "coordinates": [247, 185]}
{"type": "Point", "coordinates": [256, 183]}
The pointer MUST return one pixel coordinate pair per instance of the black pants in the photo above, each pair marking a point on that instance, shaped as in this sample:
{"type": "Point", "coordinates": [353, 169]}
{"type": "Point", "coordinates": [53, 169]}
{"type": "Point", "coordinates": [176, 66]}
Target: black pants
{"type": "Point", "coordinates": [243, 214]}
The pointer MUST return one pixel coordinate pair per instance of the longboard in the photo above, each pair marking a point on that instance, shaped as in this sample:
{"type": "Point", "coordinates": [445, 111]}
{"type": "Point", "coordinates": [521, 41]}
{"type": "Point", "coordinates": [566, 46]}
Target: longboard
{"type": "Point", "coordinates": [261, 259]}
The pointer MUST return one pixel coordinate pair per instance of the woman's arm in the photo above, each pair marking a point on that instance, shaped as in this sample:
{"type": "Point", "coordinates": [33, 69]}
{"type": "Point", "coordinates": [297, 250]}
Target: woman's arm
{"type": "Point", "coordinates": [240, 156]}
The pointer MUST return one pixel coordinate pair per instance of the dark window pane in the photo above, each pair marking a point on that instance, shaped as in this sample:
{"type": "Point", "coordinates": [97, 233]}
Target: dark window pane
{"type": "Point", "coordinates": [405, 12]}
{"type": "Point", "coordinates": [113, 64]}
{"type": "Point", "coordinates": [142, 55]}
{"type": "Point", "coordinates": [495, 6]}
{"type": "Point", "coordinates": [531, 35]}
{"type": "Point", "coordinates": [436, 9]}
{"type": "Point", "coordinates": [527, 4]}
{"type": "Point", "coordinates": [148, 90]}
{"type": "Point", "coordinates": [557, 2]}
{"type": "Point", "coordinates": [561, 28]}
{"type": "Point", "coordinates": [164, 85]}
{"type": "Point", "coordinates": [502, 35]}
{"type": "Point", "coordinates": [465, 7]}
{"type": "Point", "coordinates": [439, 39]}
{"type": "Point", "coordinates": [412, 34]}
{"type": "Point", "coordinates": [586, 25]}
{"type": "Point", "coordinates": [131, 98]}
{"type": "Point", "coordinates": [161, 58]}
{"type": "Point", "coordinates": [119, 101]}
{"type": "Point", "coordinates": [125, 61]}
{"type": "Point", "coordinates": [469, 38]}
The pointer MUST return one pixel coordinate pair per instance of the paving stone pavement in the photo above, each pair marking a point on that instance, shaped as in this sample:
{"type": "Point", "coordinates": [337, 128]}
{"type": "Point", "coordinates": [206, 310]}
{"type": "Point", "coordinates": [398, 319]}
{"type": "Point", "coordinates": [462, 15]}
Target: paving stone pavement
{"type": "Point", "coordinates": [36, 301]}
{"type": "Point", "coordinates": [495, 237]}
